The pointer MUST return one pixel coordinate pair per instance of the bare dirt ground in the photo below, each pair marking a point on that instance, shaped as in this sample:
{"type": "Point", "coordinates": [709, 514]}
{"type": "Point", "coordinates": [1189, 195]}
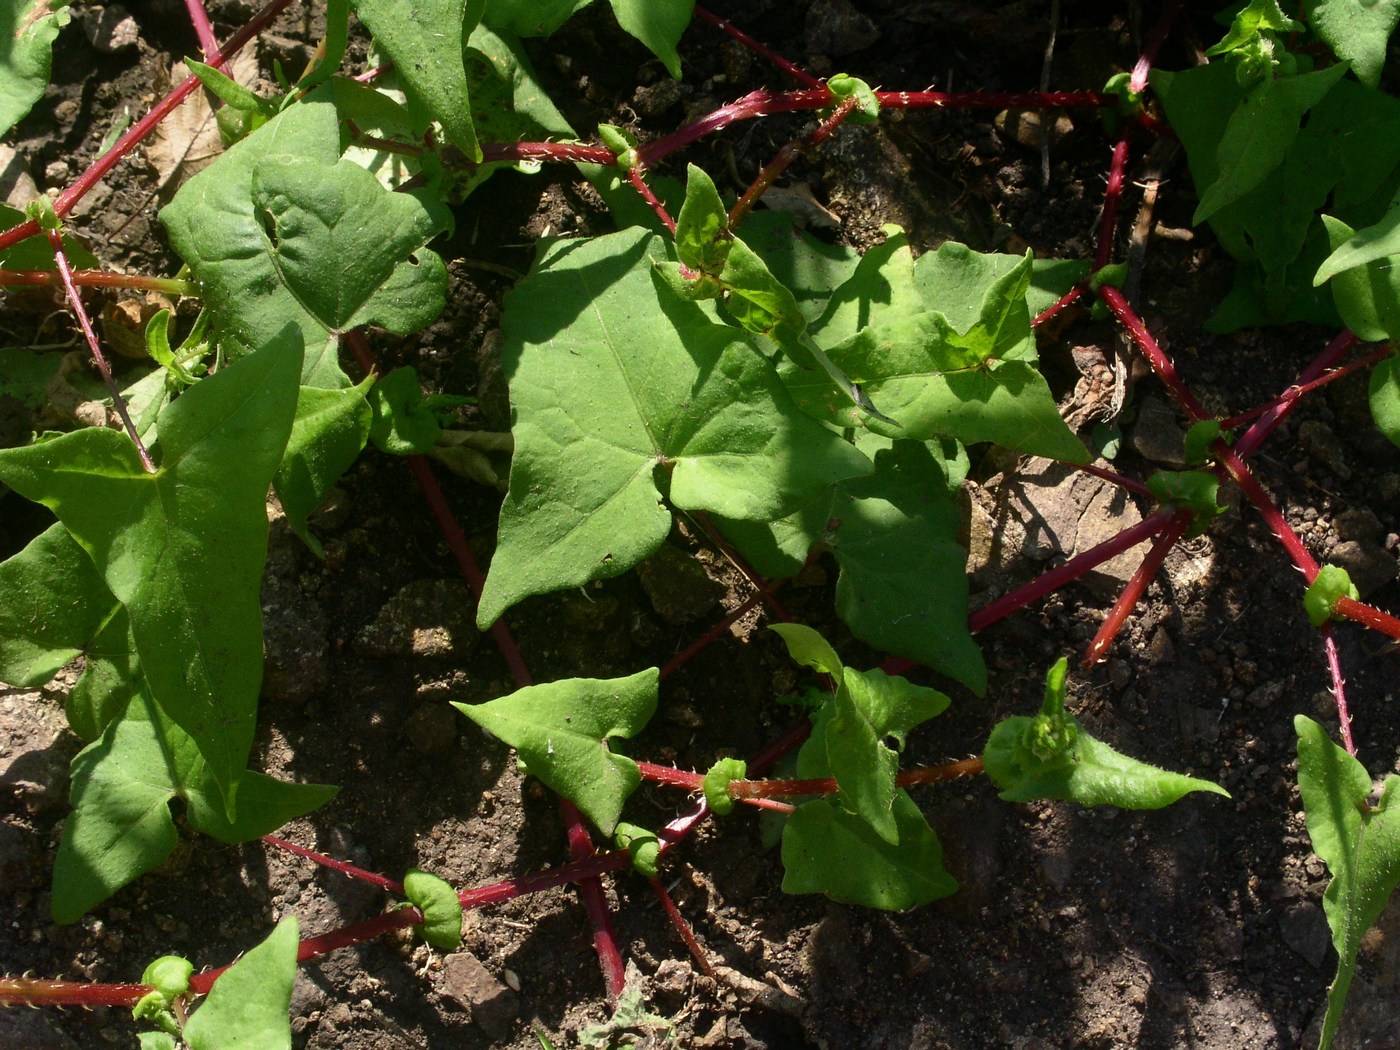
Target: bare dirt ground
{"type": "Point", "coordinates": [1199, 925]}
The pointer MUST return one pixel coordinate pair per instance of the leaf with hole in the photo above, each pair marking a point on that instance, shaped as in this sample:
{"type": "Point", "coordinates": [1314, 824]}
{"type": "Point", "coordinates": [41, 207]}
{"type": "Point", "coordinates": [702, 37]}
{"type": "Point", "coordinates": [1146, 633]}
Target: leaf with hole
{"type": "Point", "coordinates": [282, 232]}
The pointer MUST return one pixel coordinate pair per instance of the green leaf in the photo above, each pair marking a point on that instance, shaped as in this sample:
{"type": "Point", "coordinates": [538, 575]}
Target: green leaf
{"type": "Point", "coordinates": [1364, 269]}
{"type": "Point", "coordinates": [406, 421]}
{"type": "Point", "coordinates": [1360, 842]}
{"type": "Point", "coordinates": [658, 24]}
{"type": "Point", "coordinates": [702, 227]}
{"type": "Point", "coordinates": [27, 29]}
{"type": "Point", "coordinates": [183, 549]}
{"type": "Point", "coordinates": [717, 782]}
{"type": "Point", "coordinates": [169, 976]}
{"type": "Point", "coordinates": [328, 433]}
{"type": "Point", "coordinates": [807, 646]}
{"type": "Point", "coordinates": [872, 872]}
{"type": "Point", "coordinates": [53, 602]}
{"type": "Point", "coordinates": [1259, 134]}
{"type": "Point", "coordinates": [272, 230]}
{"type": "Point", "coordinates": [1199, 439]}
{"type": "Point", "coordinates": [561, 730]}
{"type": "Point", "coordinates": [644, 846]}
{"type": "Point", "coordinates": [121, 825]}
{"type": "Point", "coordinates": [954, 279]}
{"type": "Point", "coordinates": [247, 1007]}
{"type": "Point", "coordinates": [625, 396]}
{"type": "Point", "coordinates": [808, 267]}
{"type": "Point", "coordinates": [911, 606]}
{"type": "Point", "coordinates": [442, 911]}
{"type": "Point", "coordinates": [869, 708]}
{"type": "Point", "coordinates": [977, 384]}
{"type": "Point", "coordinates": [1385, 398]}
{"type": "Point", "coordinates": [425, 41]}
{"type": "Point", "coordinates": [843, 86]}
{"type": "Point", "coordinates": [157, 1041]}
{"type": "Point", "coordinates": [1320, 599]}
{"type": "Point", "coordinates": [1258, 16]}
{"type": "Point", "coordinates": [1050, 756]}
{"type": "Point", "coordinates": [1192, 490]}
{"type": "Point", "coordinates": [1357, 30]}
{"type": "Point", "coordinates": [111, 677]}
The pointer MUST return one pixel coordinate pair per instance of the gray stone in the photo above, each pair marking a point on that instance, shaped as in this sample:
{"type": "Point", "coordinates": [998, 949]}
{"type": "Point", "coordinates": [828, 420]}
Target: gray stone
{"type": "Point", "coordinates": [1367, 563]}
{"type": "Point", "coordinates": [677, 585]}
{"type": "Point", "coordinates": [1303, 926]}
{"type": "Point", "coordinates": [835, 27]}
{"type": "Point", "coordinates": [427, 618]}
{"type": "Point", "coordinates": [1358, 523]}
{"type": "Point", "coordinates": [470, 985]}
{"type": "Point", "coordinates": [1064, 511]}
{"type": "Point", "coordinates": [1267, 694]}
{"type": "Point", "coordinates": [1157, 436]}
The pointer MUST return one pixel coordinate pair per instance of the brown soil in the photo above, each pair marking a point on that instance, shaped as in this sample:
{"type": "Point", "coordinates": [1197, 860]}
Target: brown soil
{"type": "Point", "coordinates": [1200, 925]}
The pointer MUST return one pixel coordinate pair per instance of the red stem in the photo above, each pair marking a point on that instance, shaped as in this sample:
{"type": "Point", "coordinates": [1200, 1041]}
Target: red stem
{"type": "Point", "coordinates": [1068, 572]}
{"type": "Point", "coordinates": [75, 302]}
{"type": "Point", "coordinates": [1061, 304]}
{"type": "Point", "coordinates": [688, 653]}
{"type": "Point", "coordinates": [1293, 393]}
{"type": "Point", "coordinates": [203, 31]}
{"type": "Point", "coordinates": [1256, 434]}
{"type": "Point", "coordinates": [634, 176]}
{"type": "Point", "coordinates": [1369, 615]}
{"type": "Point", "coordinates": [1112, 196]}
{"type": "Point", "coordinates": [97, 279]}
{"type": "Point", "coordinates": [801, 76]}
{"type": "Point", "coordinates": [595, 902]}
{"type": "Point", "coordinates": [1334, 668]}
{"type": "Point", "coordinates": [785, 156]}
{"type": "Point", "coordinates": [143, 127]}
{"type": "Point", "coordinates": [1113, 477]}
{"type": "Point", "coordinates": [683, 927]}
{"type": "Point", "coordinates": [29, 991]}
{"type": "Point", "coordinates": [1156, 356]}
{"type": "Point", "coordinates": [344, 867]}
{"type": "Point", "coordinates": [1137, 584]}
{"type": "Point", "coordinates": [762, 586]}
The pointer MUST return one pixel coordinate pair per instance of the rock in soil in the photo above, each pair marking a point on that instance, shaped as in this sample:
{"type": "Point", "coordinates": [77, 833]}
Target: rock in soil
{"type": "Point", "coordinates": [427, 618]}
{"type": "Point", "coordinates": [470, 984]}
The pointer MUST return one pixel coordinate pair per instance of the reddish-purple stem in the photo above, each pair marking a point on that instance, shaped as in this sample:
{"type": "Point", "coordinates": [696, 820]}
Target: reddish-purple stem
{"type": "Point", "coordinates": [785, 156]}
{"type": "Point", "coordinates": [1137, 584]}
{"type": "Point", "coordinates": [1109, 223]}
{"type": "Point", "coordinates": [762, 586]}
{"type": "Point", "coordinates": [1334, 668]}
{"type": "Point", "coordinates": [1061, 304]}
{"type": "Point", "coordinates": [1113, 477]}
{"type": "Point", "coordinates": [97, 279]}
{"type": "Point", "coordinates": [1255, 436]}
{"type": "Point", "coordinates": [683, 927]}
{"type": "Point", "coordinates": [203, 31]}
{"type": "Point", "coordinates": [1068, 572]}
{"type": "Point", "coordinates": [801, 76]}
{"type": "Point", "coordinates": [344, 867]}
{"type": "Point", "coordinates": [75, 303]}
{"type": "Point", "coordinates": [143, 127]}
{"type": "Point", "coordinates": [688, 653]}
{"type": "Point", "coordinates": [1293, 393]}
{"type": "Point", "coordinates": [634, 176]}
{"type": "Point", "coordinates": [1368, 615]}
{"type": "Point", "coordinates": [30, 991]}
{"type": "Point", "coordinates": [595, 902]}
{"type": "Point", "coordinates": [1156, 356]}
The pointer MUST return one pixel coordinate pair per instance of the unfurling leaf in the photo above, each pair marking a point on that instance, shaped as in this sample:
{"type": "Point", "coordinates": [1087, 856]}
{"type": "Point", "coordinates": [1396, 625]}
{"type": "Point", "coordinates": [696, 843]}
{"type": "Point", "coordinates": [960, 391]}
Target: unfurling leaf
{"type": "Point", "coordinates": [442, 911]}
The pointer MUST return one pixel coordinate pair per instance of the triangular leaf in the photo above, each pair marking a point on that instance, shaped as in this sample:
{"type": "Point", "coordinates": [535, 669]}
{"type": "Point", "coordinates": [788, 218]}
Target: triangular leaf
{"type": "Point", "coordinates": [247, 1007]}
{"type": "Point", "coordinates": [195, 615]}
{"type": "Point", "coordinates": [624, 394]}
{"type": "Point", "coordinates": [121, 825]}
{"type": "Point", "coordinates": [561, 729]}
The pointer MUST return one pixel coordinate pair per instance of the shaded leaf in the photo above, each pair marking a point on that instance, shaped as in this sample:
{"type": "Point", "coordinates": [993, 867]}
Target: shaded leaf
{"type": "Point", "coordinates": [328, 433]}
{"type": "Point", "coordinates": [1360, 842]}
{"type": "Point", "coordinates": [1357, 30]}
{"type": "Point", "coordinates": [28, 29]}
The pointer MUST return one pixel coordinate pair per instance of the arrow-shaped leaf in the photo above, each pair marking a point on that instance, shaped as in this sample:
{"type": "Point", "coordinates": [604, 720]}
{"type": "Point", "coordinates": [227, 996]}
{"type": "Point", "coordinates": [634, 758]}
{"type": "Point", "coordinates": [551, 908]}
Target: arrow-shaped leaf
{"type": "Point", "coordinates": [623, 395]}
{"type": "Point", "coordinates": [280, 232]}
{"type": "Point", "coordinates": [183, 549]}
{"type": "Point", "coordinates": [561, 730]}
{"type": "Point", "coordinates": [121, 825]}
